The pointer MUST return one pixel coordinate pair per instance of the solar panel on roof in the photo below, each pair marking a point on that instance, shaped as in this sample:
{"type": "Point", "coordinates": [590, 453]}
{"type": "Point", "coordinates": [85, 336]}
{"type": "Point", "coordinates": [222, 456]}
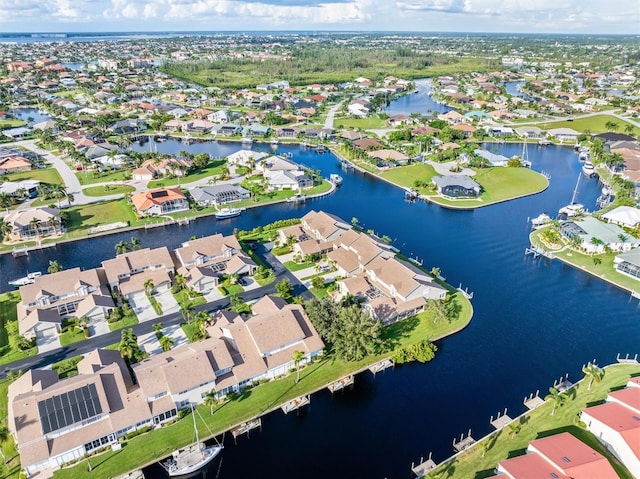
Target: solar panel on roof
{"type": "Point", "coordinates": [68, 408]}
{"type": "Point", "coordinates": [159, 194]}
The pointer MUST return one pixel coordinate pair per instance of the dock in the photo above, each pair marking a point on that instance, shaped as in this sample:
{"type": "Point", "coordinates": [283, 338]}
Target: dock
{"type": "Point", "coordinates": [533, 401]}
{"type": "Point", "coordinates": [465, 442]}
{"type": "Point", "coordinates": [341, 383]}
{"type": "Point", "coordinates": [627, 359]}
{"type": "Point", "coordinates": [465, 292]}
{"type": "Point", "coordinates": [245, 427]}
{"type": "Point", "coordinates": [501, 420]}
{"type": "Point", "coordinates": [423, 467]}
{"type": "Point", "coordinates": [563, 384]}
{"type": "Point", "coordinates": [137, 474]}
{"type": "Point", "coordinates": [20, 251]}
{"type": "Point", "coordinates": [296, 404]}
{"type": "Point", "coordinates": [537, 252]}
{"type": "Point", "coordinates": [381, 366]}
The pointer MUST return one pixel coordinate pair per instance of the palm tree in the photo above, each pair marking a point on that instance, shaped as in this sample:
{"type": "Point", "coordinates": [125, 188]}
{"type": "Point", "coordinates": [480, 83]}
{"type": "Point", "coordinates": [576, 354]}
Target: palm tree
{"type": "Point", "coordinates": [623, 237]}
{"type": "Point", "coordinates": [596, 242]}
{"type": "Point", "coordinates": [5, 201]}
{"type": "Point", "coordinates": [148, 287]}
{"type": "Point", "coordinates": [128, 345]}
{"type": "Point", "coordinates": [5, 229]}
{"type": "Point", "coordinates": [58, 192]}
{"type": "Point", "coordinates": [166, 343]}
{"type": "Point", "coordinates": [557, 397]}
{"type": "Point", "coordinates": [34, 224]}
{"type": "Point", "coordinates": [135, 244]}
{"type": "Point", "coordinates": [297, 357]}
{"type": "Point", "coordinates": [157, 328]}
{"type": "Point", "coordinates": [594, 373]}
{"type": "Point", "coordinates": [121, 247]}
{"type": "Point", "coordinates": [628, 129]}
{"type": "Point", "coordinates": [187, 311]}
{"type": "Point", "coordinates": [54, 266]}
{"type": "Point", "coordinates": [514, 429]}
{"type": "Point", "coordinates": [210, 399]}
{"type": "Point", "coordinates": [354, 221]}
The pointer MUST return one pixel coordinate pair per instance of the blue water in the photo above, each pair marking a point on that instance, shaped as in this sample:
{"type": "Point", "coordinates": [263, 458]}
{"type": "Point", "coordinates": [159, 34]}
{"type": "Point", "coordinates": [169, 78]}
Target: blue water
{"type": "Point", "coordinates": [419, 102]}
{"type": "Point", "coordinates": [26, 113]}
{"type": "Point", "coordinates": [534, 321]}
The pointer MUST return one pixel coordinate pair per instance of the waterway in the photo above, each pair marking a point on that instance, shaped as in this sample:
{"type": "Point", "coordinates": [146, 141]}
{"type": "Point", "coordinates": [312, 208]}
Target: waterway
{"type": "Point", "coordinates": [419, 102]}
{"type": "Point", "coordinates": [534, 321]}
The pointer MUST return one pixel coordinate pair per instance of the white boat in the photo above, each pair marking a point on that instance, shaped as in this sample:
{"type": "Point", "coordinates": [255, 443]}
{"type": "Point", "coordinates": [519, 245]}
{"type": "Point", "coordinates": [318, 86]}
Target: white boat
{"type": "Point", "coordinates": [573, 208]}
{"type": "Point", "coordinates": [544, 142]}
{"type": "Point", "coordinates": [335, 179]}
{"type": "Point", "coordinates": [540, 220]}
{"type": "Point", "coordinates": [225, 213]}
{"type": "Point", "coordinates": [247, 141]}
{"type": "Point", "coordinates": [297, 198]}
{"type": "Point", "coordinates": [28, 279]}
{"type": "Point", "coordinates": [193, 457]}
{"type": "Point", "coordinates": [588, 170]}
{"type": "Point", "coordinates": [274, 141]}
{"type": "Point", "coordinates": [607, 190]}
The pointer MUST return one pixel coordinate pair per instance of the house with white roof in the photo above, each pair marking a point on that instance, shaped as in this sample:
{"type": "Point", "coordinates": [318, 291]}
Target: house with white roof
{"type": "Point", "coordinates": [595, 236]}
{"type": "Point", "coordinates": [627, 216]}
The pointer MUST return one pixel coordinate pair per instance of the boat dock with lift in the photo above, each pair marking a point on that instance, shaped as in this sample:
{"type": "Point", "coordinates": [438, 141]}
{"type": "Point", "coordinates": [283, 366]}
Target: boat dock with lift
{"type": "Point", "coordinates": [296, 404]}
{"type": "Point", "coordinates": [501, 420]}
{"type": "Point", "coordinates": [533, 401]}
{"type": "Point", "coordinates": [341, 383]}
{"type": "Point", "coordinates": [381, 366]}
{"type": "Point", "coordinates": [423, 467]}
{"type": "Point", "coordinates": [245, 427]}
{"type": "Point", "coordinates": [465, 442]}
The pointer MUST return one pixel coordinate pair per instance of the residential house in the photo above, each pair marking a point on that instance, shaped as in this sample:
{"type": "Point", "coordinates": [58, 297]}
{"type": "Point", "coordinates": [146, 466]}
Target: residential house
{"type": "Point", "coordinates": [529, 132]}
{"type": "Point", "coordinates": [558, 456]}
{"type": "Point", "coordinates": [127, 273]}
{"type": "Point", "coordinates": [54, 297]}
{"type": "Point", "coordinates": [57, 421]}
{"type": "Point", "coordinates": [33, 223]}
{"type": "Point", "coordinates": [594, 236]}
{"type": "Point", "coordinates": [14, 164]}
{"type": "Point", "coordinates": [159, 201]}
{"type": "Point", "coordinates": [615, 424]}
{"type": "Point", "coordinates": [628, 263]}
{"type": "Point", "coordinates": [154, 168]}
{"type": "Point", "coordinates": [385, 158]}
{"type": "Point", "coordinates": [227, 129]}
{"type": "Point", "coordinates": [564, 134]}
{"type": "Point", "coordinates": [493, 158]}
{"type": "Point", "coordinates": [203, 260]}
{"type": "Point", "coordinates": [217, 195]}
{"type": "Point", "coordinates": [626, 216]}
{"type": "Point", "coordinates": [457, 186]}
{"type": "Point", "coordinates": [20, 189]}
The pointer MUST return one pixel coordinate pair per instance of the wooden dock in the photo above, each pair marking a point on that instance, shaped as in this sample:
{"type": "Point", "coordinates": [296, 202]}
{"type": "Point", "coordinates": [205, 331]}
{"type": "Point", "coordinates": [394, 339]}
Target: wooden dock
{"type": "Point", "coordinates": [296, 404]}
{"type": "Point", "coordinates": [245, 427]}
{"type": "Point", "coordinates": [533, 401]}
{"type": "Point", "coordinates": [627, 359]}
{"type": "Point", "coordinates": [341, 383]}
{"type": "Point", "coordinates": [381, 366]}
{"type": "Point", "coordinates": [501, 420]}
{"type": "Point", "coordinates": [424, 467]}
{"type": "Point", "coordinates": [465, 442]}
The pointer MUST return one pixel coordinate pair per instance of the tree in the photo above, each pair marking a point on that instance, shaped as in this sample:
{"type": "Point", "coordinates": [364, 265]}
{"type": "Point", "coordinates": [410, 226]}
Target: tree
{"type": "Point", "coordinates": [135, 244]}
{"type": "Point", "coordinates": [354, 221]}
{"type": "Point", "coordinates": [628, 129]}
{"type": "Point", "coordinates": [54, 266]}
{"type": "Point", "coordinates": [317, 282]}
{"type": "Point", "coordinates": [514, 429]}
{"type": "Point", "coordinates": [297, 357]}
{"type": "Point", "coordinates": [594, 373]}
{"type": "Point", "coordinates": [611, 125]}
{"type": "Point", "coordinates": [211, 400]}
{"type": "Point", "coordinates": [188, 311]}
{"type": "Point", "coordinates": [557, 397]}
{"type": "Point", "coordinates": [285, 289]}
{"type": "Point", "coordinates": [323, 314]}
{"type": "Point", "coordinates": [148, 287]}
{"type": "Point", "coordinates": [121, 247]}
{"type": "Point", "coordinates": [166, 343]}
{"type": "Point", "coordinates": [34, 225]}
{"type": "Point", "coordinates": [157, 328]}
{"type": "Point", "coordinates": [128, 346]}
{"type": "Point", "coordinates": [5, 201]}
{"type": "Point", "coordinates": [357, 335]}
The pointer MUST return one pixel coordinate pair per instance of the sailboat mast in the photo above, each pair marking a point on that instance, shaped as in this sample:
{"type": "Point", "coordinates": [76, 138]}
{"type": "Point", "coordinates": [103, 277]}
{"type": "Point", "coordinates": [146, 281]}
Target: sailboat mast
{"type": "Point", "coordinates": [195, 428]}
{"type": "Point", "coordinates": [575, 191]}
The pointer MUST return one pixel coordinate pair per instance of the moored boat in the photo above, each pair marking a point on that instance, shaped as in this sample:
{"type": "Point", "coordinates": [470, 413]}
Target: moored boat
{"type": "Point", "coordinates": [297, 198]}
{"type": "Point", "coordinates": [225, 213]}
{"type": "Point", "coordinates": [28, 279]}
{"type": "Point", "coordinates": [540, 220]}
{"type": "Point", "coordinates": [544, 142]}
{"type": "Point", "coordinates": [588, 170]}
{"type": "Point", "coordinates": [335, 179]}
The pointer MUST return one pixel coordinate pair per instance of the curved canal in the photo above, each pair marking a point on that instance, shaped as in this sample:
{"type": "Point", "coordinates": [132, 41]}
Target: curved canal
{"type": "Point", "coordinates": [534, 321]}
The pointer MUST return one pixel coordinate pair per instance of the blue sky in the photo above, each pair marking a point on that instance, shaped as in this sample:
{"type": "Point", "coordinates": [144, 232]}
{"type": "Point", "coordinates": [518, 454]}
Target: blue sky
{"type": "Point", "coordinates": [521, 16]}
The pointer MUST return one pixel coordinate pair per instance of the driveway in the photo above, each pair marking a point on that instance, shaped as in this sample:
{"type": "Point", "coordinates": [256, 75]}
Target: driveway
{"type": "Point", "coordinates": [98, 327]}
{"type": "Point", "coordinates": [168, 302]}
{"type": "Point", "coordinates": [142, 307]}
{"type": "Point", "coordinates": [150, 344]}
{"type": "Point", "coordinates": [47, 339]}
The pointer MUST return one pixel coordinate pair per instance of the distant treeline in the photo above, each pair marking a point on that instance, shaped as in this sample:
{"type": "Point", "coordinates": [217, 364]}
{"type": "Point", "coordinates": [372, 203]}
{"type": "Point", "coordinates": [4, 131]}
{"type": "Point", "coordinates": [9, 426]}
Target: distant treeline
{"type": "Point", "coordinates": [321, 64]}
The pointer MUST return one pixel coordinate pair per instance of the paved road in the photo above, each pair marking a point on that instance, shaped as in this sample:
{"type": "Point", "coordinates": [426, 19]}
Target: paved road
{"type": "Point", "coordinates": [328, 122]}
{"type": "Point", "coordinates": [45, 359]}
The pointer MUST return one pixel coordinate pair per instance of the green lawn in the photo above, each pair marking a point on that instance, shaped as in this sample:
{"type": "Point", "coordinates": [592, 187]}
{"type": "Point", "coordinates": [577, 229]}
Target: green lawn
{"type": "Point", "coordinates": [368, 123]}
{"type": "Point", "coordinates": [125, 322]}
{"type": "Point", "coordinates": [108, 190]}
{"type": "Point", "coordinates": [11, 123]}
{"type": "Point", "coordinates": [44, 175]}
{"type": "Point", "coordinates": [293, 266]}
{"type": "Point", "coordinates": [500, 184]}
{"type": "Point", "coordinates": [11, 470]}
{"type": "Point", "coordinates": [595, 124]}
{"type": "Point", "coordinates": [228, 289]}
{"type": "Point", "coordinates": [71, 335]}
{"type": "Point", "coordinates": [9, 334]}
{"type": "Point", "coordinates": [67, 367]}
{"type": "Point", "coordinates": [184, 298]}
{"type": "Point", "coordinates": [258, 400]}
{"type": "Point", "coordinates": [540, 423]}
{"type": "Point", "coordinates": [93, 177]}
{"type": "Point", "coordinates": [406, 175]}
{"type": "Point", "coordinates": [214, 168]}
{"type": "Point", "coordinates": [84, 217]}
{"type": "Point", "coordinates": [605, 270]}
{"type": "Point", "coordinates": [321, 188]}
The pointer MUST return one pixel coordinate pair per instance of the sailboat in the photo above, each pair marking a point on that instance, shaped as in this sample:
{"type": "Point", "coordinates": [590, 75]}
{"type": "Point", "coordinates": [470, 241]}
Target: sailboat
{"type": "Point", "coordinates": [573, 208]}
{"type": "Point", "coordinates": [193, 457]}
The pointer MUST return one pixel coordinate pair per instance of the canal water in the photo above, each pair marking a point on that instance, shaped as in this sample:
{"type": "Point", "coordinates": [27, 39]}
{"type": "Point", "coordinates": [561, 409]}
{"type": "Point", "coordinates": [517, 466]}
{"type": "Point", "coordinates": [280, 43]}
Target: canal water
{"type": "Point", "coordinates": [419, 102]}
{"type": "Point", "coordinates": [534, 321]}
